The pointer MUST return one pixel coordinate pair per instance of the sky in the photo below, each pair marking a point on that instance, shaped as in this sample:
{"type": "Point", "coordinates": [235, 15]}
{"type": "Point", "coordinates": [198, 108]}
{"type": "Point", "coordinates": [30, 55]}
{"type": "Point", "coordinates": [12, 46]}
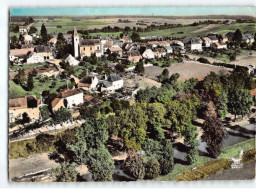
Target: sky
{"type": "Point", "coordinates": [165, 11]}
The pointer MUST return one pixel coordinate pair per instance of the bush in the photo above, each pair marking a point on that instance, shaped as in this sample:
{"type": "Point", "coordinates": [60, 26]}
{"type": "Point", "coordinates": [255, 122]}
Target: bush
{"type": "Point", "coordinates": [152, 168]}
{"type": "Point", "coordinates": [205, 170]}
{"type": "Point", "coordinates": [249, 156]}
{"type": "Point", "coordinates": [203, 60]}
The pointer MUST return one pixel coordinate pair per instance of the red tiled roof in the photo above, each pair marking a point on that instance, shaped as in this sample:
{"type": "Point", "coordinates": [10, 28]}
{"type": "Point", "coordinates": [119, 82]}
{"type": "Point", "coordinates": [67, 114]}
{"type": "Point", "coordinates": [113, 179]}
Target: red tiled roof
{"type": "Point", "coordinates": [115, 48]}
{"type": "Point", "coordinates": [52, 40]}
{"type": "Point", "coordinates": [217, 44]}
{"type": "Point", "coordinates": [253, 92]}
{"type": "Point", "coordinates": [55, 102]}
{"type": "Point", "coordinates": [68, 93]}
{"type": "Point", "coordinates": [20, 52]}
{"type": "Point", "coordinates": [206, 39]}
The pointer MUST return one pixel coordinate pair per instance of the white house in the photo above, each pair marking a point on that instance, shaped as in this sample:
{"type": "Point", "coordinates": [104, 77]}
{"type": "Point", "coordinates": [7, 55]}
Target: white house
{"type": "Point", "coordinates": [23, 29]}
{"type": "Point", "coordinates": [248, 38]}
{"type": "Point", "coordinates": [207, 42]}
{"type": "Point", "coordinates": [148, 54]}
{"type": "Point", "coordinates": [218, 45]}
{"type": "Point", "coordinates": [193, 43]}
{"type": "Point", "coordinates": [27, 38]}
{"type": "Point", "coordinates": [34, 58]}
{"type": "Point", "coordinates": [110, 83]}
{"type": "Point", "coordinates": [168, 49]}
{"type": "Point", "coordinates": [88, 83]}
{"type": "Point", "coordinates": [68, 58]}
{"type": "Point", "coordinates": [68, 99]}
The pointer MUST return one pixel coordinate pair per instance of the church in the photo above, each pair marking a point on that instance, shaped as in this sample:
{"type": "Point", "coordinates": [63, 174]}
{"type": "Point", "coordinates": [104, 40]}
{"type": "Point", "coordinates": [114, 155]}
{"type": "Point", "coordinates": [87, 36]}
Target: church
{"type": "Point", "coordinates": [86, 47]}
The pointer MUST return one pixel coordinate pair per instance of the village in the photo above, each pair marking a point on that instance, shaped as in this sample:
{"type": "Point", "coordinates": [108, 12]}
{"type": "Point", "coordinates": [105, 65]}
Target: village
{"type": "Point", "coordinates": [60, 82]}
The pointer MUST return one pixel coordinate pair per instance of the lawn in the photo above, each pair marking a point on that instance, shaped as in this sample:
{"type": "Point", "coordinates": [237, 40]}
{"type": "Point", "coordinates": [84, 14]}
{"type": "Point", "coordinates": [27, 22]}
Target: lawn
{"type": "Point", "coordinates": [244, 27]}
{"type": "Point", "coordinates": [68, 24]}
{"type": "Point", "coordinates": [229, 151]}
{"type": "Point", "coordinates": [103, 34]}
{"type": "Point", "coordinates": [27, 66]}
{"type": "Point", "coordinates": [16, 91]}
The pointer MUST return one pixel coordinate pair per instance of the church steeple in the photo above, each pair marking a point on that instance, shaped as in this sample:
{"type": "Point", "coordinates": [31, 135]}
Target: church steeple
{"type": "Point", "coordinates": [75, 41]}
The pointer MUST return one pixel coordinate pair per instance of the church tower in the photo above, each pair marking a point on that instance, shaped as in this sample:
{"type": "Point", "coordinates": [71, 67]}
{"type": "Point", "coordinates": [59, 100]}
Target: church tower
{"type": "Point", "coordinates": [75, 41]}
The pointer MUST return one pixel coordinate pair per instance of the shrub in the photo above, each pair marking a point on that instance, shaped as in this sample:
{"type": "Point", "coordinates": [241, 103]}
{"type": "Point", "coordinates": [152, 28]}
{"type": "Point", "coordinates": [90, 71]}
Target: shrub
{"type": "Point", "coordinates": [205, 170]}
{"type": "Point", "coordinates": [249, 156]}
{"type": "Point", "coordinates": [152, 168]}
{"type": "Point", "coordinates": [203, 60]}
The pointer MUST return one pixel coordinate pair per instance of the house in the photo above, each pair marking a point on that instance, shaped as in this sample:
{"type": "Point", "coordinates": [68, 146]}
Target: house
{"type": "Point", "coordinates": [16, 54]}
{"type": "Point", "coordinates": [222, 38]}
{"type": "Point", "coordinates": [213, 39]}
{"type": "Point", "coordinates": [34, 58]}
{"type": "Point", "coordinates": [68, 58]}
{"type": "Point", "coordinates": [110, 83]}
{"type": "Point", "coordinates": [193, 43]}
{"type": "Point", "coordinates": [28, 104]}
{"type": "Point", "coordinates": [68, 99]}
{"type": "Point", "coordinates": [23, 29]}
{"type": "Point", "coordinates": [52, 41]}
{"type": "Point", "coordinates": [168, 49]}
{"type": "Point", "coordinates": [88, 83]}
{"type": "Point", "coordinates": [251, 69]}
{"type": "Point", "coordinates": [218, 45]}
{"type": "Point", "coordinates": [247, 38]}
{"type": "Point", "coordinates": [126, 39]}
{"type": "Point", "coordinates": [106, 45]}
{"type": "Point", "coordinates": [116, 49]}
{"type": "Point", "coordinates": [86, 47]}
{"type": "Point", "coordinates": [159, 52]}
{"type": "Point", "coordinates": [148, 54]}
{"type": "Point", "coordinates": [206, 42]}
{"type": "Point", "coordinates": [44, 51]}
{"type": "Point", "coordinates": [176, 44]}
{"type": "Point", "coordinates": [133, 56]}
{"type": "Point", "coordinates": [27, 39]}
{"type": "Point", "coordinates": [153, 43]}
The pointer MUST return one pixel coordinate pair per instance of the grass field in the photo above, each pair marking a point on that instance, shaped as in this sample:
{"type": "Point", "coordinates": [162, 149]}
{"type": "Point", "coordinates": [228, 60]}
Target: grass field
{"type": "Point", "coordinates": [102, 34]}
{"type": "Point", "coordinates": [27, 66]}
{"type": "Point", "coordinates": [16, 91]}
{"type": "Point", "coordinates": [68, 24]}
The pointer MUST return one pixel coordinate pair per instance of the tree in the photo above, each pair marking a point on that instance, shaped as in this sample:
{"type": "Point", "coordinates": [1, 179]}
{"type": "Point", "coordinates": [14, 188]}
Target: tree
{"type": "Point", "coordinates": [30, 82]}
{"type": "Point", "coordinates": [157, 131]}
{"type": "Point", "coordinates": [62, 115]}
{"type": "Point", "coordinates": [14, 28]}
{"type": "Point", "coordinates": [135, 37]}
{"type": "Point", "coordinates": [191, 141]}
{"type": "Point", "coordinates": [100, 164]}
{"type": "Point", "coordinates": [166, 157]}
{"type": "Point", "coordinates": [238, 37]}
{"type": "Point", "coordinates": [213, 135]}
{"type": "Point", "coordinates": [131, 126]}
{"type": "Point", "coordinates": [139, 68]}
{"type": "Point", "coordinates": [240, 102]}
{"type": "Point", "coordinates": [134, 166]}
{"type": "Point", "coordinates": [152, 168]}
{"type": "Point", "coordinates": [65, 172]}
{"type": "Point", "coordinates": [25, 118]}
{"type": "Point", "coordinates": [62, 46]}
{"type": "Point", "coordinates": [120, 67]}
{"type": "Point", "coordinates": [32, 30]}
{"type": "Point", "coordinates": [223, 108]}
{"type": "Point", "coordinates": [164, 76]}
{"type": "Point", "coordinates": [44, 34]}
{"type": "Point", "coordinates": [14, 42]}
{"type": "Point", "coordinates": [20, 77]}
{"type": "Point", "coordinates": [44, 112]}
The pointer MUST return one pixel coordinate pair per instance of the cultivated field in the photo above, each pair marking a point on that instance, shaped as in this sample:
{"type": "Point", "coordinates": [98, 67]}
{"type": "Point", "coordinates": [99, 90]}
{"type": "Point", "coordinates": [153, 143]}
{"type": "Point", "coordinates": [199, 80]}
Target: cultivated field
{"type": "Point", "coordinates": [139, 81]}
{"type": "Point", "coordinates": [186, 70]}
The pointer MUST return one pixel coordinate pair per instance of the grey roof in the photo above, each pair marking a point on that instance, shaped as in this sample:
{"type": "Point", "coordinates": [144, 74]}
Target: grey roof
{"type": "Point", "coordinates": [213, 38]}
{"type": "Point", "coordinates": [89, 41]}
{"type": "Point", "coordinates": [247, 36]}
{"type": "Point", "coordinates": [168, 47]}
{"type": "Point", "coordinates": [114, 77]}
{"type": "Point", "coordinates": [230, 34]}
{"type": "Point", "coordinates": [42, 48]}
{"type": "Point", "coordinates": [105, 83]}
{"type": "Point", "coordinates": [189, 40]}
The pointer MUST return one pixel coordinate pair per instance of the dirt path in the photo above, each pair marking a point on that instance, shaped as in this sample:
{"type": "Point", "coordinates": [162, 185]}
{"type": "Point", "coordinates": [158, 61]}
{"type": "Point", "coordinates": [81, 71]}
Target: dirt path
{"type": "Point", "coordinates": [208, 27]}
{"type": "Point", "coordinates": [246, 173]}
{"type": "Point", "coordinates": [34, 163]}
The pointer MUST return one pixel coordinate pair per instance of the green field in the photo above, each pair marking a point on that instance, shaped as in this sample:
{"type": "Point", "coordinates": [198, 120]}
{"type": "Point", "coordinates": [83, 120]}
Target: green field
{"type": "Point", "coordinates": [244, 27]}
{"type": "Point", "coordinates": [15, 90]}
{"type": "Point", "coordinates": [102, 34]}
{"type": "Point", "coordinates": [68, 24]}
{"type": "Point", "coordinates": [27, 66]}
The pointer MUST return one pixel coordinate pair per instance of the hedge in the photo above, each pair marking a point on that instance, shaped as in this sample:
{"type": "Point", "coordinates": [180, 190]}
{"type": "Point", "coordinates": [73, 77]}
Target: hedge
{"type": "Point", "coordinates": [249, 156]}
{"type": "Point", "coordinates": [41, 144]}
{"type": "Point", "coordinates": [205, 170]}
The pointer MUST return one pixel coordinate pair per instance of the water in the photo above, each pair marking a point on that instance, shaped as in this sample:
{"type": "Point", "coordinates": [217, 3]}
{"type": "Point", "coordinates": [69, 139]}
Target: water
{"type": "Point", "coordinates": [235, 135]}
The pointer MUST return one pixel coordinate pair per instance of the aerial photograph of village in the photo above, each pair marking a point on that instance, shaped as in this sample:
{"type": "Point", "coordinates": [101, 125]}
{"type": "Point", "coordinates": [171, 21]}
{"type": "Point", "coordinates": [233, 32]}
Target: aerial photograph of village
{"type": "Point", "coordinates": [126, 94]}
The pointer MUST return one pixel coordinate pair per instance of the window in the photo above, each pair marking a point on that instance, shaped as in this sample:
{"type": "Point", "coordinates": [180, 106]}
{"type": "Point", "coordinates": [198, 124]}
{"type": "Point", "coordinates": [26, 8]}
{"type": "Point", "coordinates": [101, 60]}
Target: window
{"type": "Point", "coordinates": [90, 48]}
{"type": "Point", "coordinates": [84, 48]}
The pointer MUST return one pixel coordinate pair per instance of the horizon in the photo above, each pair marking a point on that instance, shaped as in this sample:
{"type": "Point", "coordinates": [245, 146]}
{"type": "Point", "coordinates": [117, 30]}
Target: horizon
{"type": "Point", "coordinates": [134, 11]}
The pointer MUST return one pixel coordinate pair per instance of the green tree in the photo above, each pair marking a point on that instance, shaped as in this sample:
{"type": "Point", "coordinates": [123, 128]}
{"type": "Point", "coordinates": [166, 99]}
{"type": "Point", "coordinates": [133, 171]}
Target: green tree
{"type": "Point", "coordinates": [20, 78]}
{"type": "Point", "coordinates": [166, 157]}
{"type": "Point", "coordinates": [152, 168]}
{"type": "Point", "coordinates": [62, 115]}
{"type": "Point", "coordinates": [139, 68]}
{"type": "Point", "coordinates": [100, 164]}
{"type": "Point", "coordinates": [135, 37]}
{"type": "Point", "coordinates": [238, 37]}
{"type": "Point", "coordinates": [32, 30]}
{"type": "Point", "coordinates": [157, 131]}
{"type": "Point", "coordinates": [30, 82]}
{"type": "Point", "coordinates": [44, 34]}
{"type": "Point", "coordinates": [62, 46]}
{"type": "Point", "coordinates": [131, 126]}
{"type": "Point", "coordinates": [164, 76]}
{"type": "Point", "coordinates": [240, 102]}
{"type": "Point", "coordinates": [191, 141]}
{"type": "Point", "coordinates": [25, 118]}
{"type": "Point", "coordinates": [213, 135]}
{"type": "Point", "coordinates": [44, 112]}
{"type": "Point", "coordinates": [65, 172]}
{"type": "Point", "coordinates": [223, 108]}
